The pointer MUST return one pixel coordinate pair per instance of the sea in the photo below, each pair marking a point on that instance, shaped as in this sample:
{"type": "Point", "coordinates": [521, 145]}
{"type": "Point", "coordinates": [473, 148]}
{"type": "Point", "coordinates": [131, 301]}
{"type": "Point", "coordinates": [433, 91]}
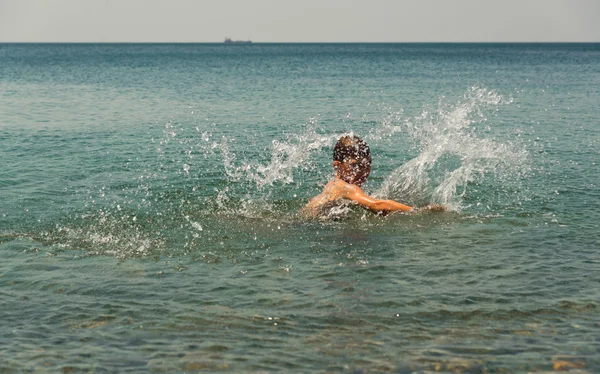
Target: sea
{"type": "Point", "coordinates": [149, 198]}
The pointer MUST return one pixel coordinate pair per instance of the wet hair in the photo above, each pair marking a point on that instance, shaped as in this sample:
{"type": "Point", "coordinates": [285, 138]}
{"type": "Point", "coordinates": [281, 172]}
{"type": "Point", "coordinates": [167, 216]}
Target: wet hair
{"type": "Point", "coordinates": [351, 147]}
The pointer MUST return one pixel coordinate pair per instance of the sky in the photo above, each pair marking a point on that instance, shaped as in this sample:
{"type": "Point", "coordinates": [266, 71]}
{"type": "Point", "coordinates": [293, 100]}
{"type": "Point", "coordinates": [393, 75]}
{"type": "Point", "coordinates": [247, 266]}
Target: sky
{"type": "Point", "coordinates": [300, 20]}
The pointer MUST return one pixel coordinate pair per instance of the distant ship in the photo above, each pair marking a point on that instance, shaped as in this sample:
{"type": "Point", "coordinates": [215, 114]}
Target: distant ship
{"type": "Point", "coordinates": [230, 41]}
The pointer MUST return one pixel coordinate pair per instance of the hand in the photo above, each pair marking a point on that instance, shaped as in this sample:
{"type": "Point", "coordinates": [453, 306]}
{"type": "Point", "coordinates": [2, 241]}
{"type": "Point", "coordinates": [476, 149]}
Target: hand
{"type": "Point", "coordinates": [434, 208]}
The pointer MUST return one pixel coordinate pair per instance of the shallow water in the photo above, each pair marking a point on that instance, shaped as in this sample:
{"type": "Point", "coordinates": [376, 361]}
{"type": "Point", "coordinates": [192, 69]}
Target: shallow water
{"type": "Point", "coordinates": [148, 199]}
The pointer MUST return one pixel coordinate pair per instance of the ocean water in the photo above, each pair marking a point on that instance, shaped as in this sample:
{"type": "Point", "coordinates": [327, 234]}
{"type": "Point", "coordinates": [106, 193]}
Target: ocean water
{"type": "Point", "coordinates": [148, 200]}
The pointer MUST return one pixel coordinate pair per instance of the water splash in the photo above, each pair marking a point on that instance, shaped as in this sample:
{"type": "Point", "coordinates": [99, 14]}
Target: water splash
{"type": "Point", "coordinates": [198, 175]}
{"type": "Point", "coordinates": [455, 149]}
{"type": "Point", "coordinates": [121, 237]}
{"type": "Point", "coordinates": [286, 156]}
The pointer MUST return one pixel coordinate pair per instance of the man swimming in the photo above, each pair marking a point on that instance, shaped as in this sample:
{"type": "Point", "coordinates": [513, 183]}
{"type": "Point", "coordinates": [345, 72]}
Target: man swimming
{"type": "Point", "coordinates": [352, 165]}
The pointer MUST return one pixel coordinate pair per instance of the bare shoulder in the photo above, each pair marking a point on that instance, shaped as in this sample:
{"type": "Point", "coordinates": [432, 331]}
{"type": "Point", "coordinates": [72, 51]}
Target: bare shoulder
{"type": "Point", "coordinates": [341, 188]}
{"type": "Point", "coordinates": [331, 192]}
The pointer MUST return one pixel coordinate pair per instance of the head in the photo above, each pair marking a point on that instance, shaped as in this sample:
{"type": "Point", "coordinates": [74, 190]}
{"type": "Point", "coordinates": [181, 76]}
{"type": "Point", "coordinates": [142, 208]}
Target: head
{"type": "Point", "coordinates": [352, 160]}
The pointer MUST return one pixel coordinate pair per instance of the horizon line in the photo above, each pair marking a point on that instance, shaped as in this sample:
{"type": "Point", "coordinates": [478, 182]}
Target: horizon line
{"type": "Point", "coordinates": [305, 42]}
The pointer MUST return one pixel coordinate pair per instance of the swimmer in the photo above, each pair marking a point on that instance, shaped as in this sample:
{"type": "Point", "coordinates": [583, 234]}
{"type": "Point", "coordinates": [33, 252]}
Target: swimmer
{"type": "Point", "coordinates": [352, 165]}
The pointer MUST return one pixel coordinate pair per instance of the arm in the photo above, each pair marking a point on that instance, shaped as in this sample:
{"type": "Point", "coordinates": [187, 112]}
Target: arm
{"type": "Point", "coordinates": [357, 195]}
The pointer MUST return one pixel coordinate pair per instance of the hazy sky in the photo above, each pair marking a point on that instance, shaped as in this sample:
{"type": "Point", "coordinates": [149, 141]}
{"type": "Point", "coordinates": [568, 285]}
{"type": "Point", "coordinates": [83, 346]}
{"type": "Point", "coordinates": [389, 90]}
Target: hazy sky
{"type": "Point", "coordinates": [299, 20]}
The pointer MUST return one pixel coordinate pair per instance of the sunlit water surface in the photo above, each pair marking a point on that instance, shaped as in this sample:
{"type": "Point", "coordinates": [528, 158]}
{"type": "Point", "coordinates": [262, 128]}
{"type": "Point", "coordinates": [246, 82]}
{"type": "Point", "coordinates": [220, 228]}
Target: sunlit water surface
{"type": "Point", "coordinates": [149, 198]}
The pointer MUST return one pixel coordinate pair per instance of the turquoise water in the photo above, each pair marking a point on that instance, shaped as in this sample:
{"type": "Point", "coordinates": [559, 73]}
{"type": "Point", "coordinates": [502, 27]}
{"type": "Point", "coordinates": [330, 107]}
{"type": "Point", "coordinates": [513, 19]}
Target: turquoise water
{"type": "Point", "coordinates": [148, 199]}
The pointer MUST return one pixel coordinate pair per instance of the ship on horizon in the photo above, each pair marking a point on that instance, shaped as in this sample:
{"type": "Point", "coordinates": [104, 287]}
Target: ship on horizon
{"type": "Point", "coordinates": [231, 41]}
